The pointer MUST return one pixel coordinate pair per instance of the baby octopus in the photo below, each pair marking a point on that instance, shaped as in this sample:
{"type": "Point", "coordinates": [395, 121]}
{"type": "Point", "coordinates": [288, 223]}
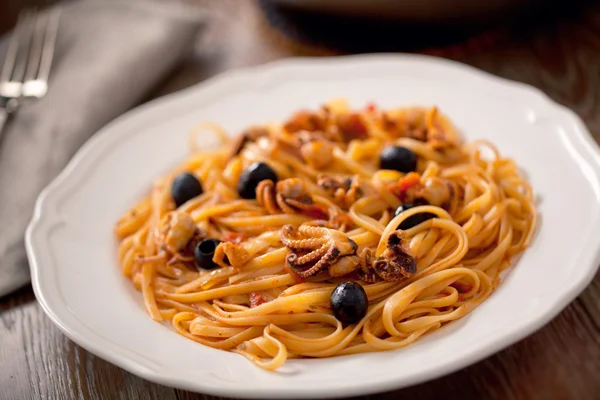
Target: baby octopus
{"type": "Point", "coordinates": [178, 231]}
{"type": "Point", "coordinates": [395, 263]}
{"type": "Point", "coordinates": [177, 239]}
{"type": "Point", "coordinates": [290, 196]}
{"type": "Point", "coordinates": [316, 248]}
{"type": "Point", "coordinates": [344, 190]}
{"type": "Point", "coordinates": [230, 253]}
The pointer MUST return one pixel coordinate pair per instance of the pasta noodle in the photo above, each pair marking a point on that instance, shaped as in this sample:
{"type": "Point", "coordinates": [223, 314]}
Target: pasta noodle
{"type": "Point", "coordinates": [427, 243]}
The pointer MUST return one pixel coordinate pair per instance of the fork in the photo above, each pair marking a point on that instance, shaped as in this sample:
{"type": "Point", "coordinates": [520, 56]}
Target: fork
{"type": "Point", "coordinates": [26, 68]}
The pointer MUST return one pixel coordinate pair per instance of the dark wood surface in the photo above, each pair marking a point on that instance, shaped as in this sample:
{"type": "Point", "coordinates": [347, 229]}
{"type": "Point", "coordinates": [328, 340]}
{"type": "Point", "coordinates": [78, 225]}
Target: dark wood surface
{"type": "Point", "coordinates": [558, 53]}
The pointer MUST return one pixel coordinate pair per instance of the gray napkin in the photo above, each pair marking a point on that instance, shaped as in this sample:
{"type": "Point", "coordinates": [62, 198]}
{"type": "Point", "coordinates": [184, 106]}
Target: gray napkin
{"type": "Point", "coordinates": [108, 55]}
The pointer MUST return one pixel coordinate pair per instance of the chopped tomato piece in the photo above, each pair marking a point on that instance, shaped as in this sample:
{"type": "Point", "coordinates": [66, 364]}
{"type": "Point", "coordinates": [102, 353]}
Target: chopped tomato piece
{"type": "Point", "coordinates": [352, 127]}
{"type": "Point", "coordinates": [410, 180]}
{"type": "Point", "coordinates": [462, 288]}
{"type": "Point", "coordinates": [316, 213]}
{"type": "Point", "coordinates": [256, 299]}
{"type": "Point", "coordinates": [400, 188]}
{"type": "Point", "coordinates": [234, 237]}
{"type": "Point", "coordinates": [305, 121]}
{"type": "Point", "coordinates": [352, 276]}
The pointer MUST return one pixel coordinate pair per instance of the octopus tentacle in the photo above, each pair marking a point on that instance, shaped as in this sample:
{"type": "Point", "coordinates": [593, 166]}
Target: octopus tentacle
{"type": "Point", "coordinates": [303, 274]}
{"type": "Point", "coordinates": [302, 243]}
{"type": "Point", "coordinates": [331, 255]}
{"type": "Point", "coordinates": [265, 194]}
{"type": "Point", "coordinates": [289, 196]}
{"type": "Point", "coordinates": [345, 190]}
{"type": "Point", "coordinates": [365, 271]}
{"type": "Point", "coordinates": [314, 248]}
{"type": "Point", "coordinates": [313, 231]}
{"type": "Point", "coordinates": [283, 205]}
{"type": "Point", "coordinates": [326, 260]}
{"type": "Point", "coordinates": [313, 255]}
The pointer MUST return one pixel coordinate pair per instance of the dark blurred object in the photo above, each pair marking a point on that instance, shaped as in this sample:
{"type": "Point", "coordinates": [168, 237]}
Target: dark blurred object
{"type": "Point", "coordinates": [412, 10]}
{"type": "Point", "coordinates": [412, 27]}
{"type": "Point", "coordinates": [9, 10]}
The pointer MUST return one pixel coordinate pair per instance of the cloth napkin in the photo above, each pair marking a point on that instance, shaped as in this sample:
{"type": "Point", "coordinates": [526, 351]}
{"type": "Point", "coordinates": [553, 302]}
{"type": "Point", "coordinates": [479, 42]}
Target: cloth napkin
{"type": "Point", "coordinates": [108, 55]}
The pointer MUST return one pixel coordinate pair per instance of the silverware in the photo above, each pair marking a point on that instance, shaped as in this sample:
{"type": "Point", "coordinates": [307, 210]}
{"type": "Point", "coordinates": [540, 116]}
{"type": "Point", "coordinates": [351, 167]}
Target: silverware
{"type": "Point", "coordinates": [24, 74]}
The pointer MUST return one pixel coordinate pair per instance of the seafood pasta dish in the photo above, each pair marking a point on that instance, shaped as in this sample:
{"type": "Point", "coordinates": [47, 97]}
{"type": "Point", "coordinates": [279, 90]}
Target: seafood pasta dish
{"type": "Point", "coordinates": [334, 232]}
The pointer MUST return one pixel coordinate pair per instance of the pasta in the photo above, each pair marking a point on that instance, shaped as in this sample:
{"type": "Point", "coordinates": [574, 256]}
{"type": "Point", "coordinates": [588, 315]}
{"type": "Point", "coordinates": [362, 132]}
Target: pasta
{"type": "Point", "coordinates": [256, 247]}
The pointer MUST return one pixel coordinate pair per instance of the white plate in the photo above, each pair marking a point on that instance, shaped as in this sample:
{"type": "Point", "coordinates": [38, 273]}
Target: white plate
{"type": "Point", "coordinates": [72, 253]}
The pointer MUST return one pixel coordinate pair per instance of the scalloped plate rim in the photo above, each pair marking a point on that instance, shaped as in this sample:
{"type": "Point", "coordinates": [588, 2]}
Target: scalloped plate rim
{"type": "Point", "coordinates": [582, 141]}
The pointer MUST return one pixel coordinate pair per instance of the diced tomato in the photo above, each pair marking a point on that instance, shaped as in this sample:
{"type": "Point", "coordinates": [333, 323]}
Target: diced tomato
{"type": "Point", "coordinates": [316, 213]}
{"type": "Point", "coordinates": [387, 121]}
{"type": "Point", "coordinates": [305, 121]}
{"type": "Point", "coordinates": [256, 299]}
{"type": "Point", "coordinates": [462, 288]}
{"type": "Point", "coordinates": [371, 107]}
{"type": "Point", "coordinates": [352, 127]}
{"type": "Point", "coordinates": [352, 276]}
{"type": "Point", "coordinates": [412, 179]}
{"type": "Point", "coordinates": [233, 237]}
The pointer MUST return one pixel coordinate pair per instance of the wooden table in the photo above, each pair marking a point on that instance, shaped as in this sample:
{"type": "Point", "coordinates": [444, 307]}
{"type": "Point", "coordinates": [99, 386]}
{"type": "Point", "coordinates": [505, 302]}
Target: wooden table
{"type": "Point", "coordinates": [559, 54]}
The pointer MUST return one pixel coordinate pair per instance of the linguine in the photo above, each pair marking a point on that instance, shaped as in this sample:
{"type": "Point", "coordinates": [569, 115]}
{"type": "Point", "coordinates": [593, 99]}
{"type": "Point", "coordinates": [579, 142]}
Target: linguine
{"type": "Point", "coordinates": [328, 217]}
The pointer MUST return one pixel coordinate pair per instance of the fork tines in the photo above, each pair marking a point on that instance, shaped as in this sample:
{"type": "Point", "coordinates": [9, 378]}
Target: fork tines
{"type": "Point", "coordinates": [29, 55]}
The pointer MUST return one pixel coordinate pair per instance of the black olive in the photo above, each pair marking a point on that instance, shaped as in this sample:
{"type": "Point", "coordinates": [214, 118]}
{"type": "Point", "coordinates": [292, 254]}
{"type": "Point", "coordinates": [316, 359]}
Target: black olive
{"type": "Point", "coordinates": [185, 187]}
{"type": "Point", "coordinates": [204, 252]}
{"type": "Point", "coordinates": [349, 302]}
{"type": "Point", "coordinates": [413, 220]}
{"type": "Point", "coordinates": [252, 176]}
{"type": "Point", "coordinates": [398, 158]}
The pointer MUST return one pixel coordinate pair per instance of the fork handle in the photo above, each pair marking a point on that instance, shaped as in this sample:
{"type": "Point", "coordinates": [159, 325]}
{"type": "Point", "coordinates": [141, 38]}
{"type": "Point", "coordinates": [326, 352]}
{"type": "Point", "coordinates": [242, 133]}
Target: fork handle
{"type": "Point", "coordinates": [6, 109]}
{"type": "Point", "coordinates": [4, 114]}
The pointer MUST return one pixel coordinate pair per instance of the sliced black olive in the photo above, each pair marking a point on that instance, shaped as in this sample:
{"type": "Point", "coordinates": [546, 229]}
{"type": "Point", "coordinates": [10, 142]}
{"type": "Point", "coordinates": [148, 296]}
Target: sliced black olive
{"type": "Point", "coordinates": [252, 176]}
{"type": "Point", "coordinates": [349, 302]}
{"type": "Point", "coordinates": [398, 158]}
{"type": "Point", "coordinates": [204, 252]}
{"type": "Point", "coordinates": [413, 220]}
{"type": "Point", "coordinates": [185, 187]}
